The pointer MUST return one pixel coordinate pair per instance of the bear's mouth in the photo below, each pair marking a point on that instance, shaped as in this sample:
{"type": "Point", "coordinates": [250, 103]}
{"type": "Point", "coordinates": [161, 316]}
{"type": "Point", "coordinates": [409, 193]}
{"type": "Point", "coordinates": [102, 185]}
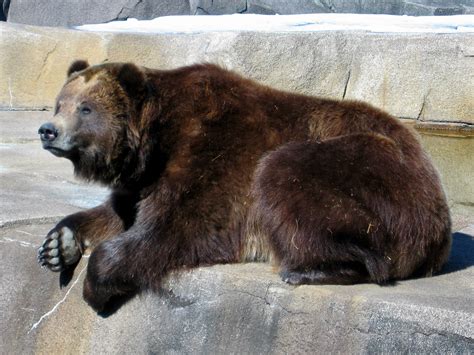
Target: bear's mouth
{"type": "Point", "coordinates": [56, 151]}
{"type": "Point", "coordinates": [59, 146]}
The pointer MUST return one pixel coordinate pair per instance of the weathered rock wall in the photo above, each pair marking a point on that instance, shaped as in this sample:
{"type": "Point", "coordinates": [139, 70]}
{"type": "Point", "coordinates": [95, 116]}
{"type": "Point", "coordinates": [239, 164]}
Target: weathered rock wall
{"type": "Point", "coordinates": [75, 12]}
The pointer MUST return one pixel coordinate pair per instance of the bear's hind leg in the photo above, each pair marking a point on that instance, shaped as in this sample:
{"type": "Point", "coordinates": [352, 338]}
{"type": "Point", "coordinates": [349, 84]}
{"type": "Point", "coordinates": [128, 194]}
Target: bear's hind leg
{"type": "Point", "coordinates": [311, 199]}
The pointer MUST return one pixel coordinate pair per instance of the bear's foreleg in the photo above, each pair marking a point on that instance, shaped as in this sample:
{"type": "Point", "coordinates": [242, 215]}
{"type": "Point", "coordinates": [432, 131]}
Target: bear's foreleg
{"type": "Point", "coordinates": [135, 258]}
{"type": "Point", "coordinates": [169, 233]}
{"type": "Point", "coordinates": [67, 241]}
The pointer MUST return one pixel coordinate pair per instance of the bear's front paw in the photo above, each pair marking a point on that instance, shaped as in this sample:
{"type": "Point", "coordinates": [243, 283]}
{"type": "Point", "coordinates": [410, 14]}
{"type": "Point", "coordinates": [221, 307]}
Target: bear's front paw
{"type": "Point", "coordinates": [59, 249]}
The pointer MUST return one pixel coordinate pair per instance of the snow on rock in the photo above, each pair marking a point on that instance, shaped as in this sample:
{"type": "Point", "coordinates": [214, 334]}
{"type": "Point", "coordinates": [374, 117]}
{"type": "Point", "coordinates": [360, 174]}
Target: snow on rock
{"type": "Point", "coordinates": [291, 23]}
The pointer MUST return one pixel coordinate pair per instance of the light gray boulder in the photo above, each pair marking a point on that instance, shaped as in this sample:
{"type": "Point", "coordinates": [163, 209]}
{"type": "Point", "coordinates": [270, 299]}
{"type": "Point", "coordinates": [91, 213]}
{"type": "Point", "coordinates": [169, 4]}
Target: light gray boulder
{"type": "Point", "coordinates": [74, 12]}
{"type": "Point", "coordinates": [71, 12]}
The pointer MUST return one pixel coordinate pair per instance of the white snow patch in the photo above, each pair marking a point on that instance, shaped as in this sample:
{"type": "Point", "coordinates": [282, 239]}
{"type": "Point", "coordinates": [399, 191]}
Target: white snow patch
{"type": "Point", "coordinates": [291, 23]}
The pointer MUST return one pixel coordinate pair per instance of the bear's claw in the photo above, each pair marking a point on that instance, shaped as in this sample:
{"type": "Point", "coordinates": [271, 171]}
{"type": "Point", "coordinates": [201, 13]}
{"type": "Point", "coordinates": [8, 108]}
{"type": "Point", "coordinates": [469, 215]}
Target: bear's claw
{"type": "Point", "coordinates": [59, 249]}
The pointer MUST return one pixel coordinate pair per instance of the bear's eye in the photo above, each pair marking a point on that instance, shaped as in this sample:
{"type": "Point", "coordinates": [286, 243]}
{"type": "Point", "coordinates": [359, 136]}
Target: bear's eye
{"type": "Point", "coordinates": [85, 110]}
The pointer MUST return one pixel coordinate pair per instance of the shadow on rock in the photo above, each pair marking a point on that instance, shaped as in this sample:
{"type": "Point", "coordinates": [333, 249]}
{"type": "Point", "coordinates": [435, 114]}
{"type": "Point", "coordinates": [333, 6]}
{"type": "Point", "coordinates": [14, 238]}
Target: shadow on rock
{"type": "Point", "coordinates": [66, 275]}
{"type": "Point", "coordinates": [462, 254]}
{"type": "Point", "coordinates": [114, 304]}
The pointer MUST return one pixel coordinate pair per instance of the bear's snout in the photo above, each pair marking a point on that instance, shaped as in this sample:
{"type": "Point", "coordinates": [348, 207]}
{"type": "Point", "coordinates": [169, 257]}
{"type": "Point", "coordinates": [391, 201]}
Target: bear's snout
{"type": "Point", "coordinates": [48, 132]}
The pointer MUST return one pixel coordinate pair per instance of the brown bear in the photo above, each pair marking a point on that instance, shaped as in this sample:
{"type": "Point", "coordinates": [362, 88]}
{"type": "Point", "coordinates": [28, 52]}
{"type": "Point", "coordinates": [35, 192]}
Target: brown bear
{"type": "Point", "coordinates": [208, 167]}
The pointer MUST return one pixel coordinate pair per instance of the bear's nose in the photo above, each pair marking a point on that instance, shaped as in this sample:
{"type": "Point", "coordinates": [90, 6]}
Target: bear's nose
{"type": "Point", "coordinates": [48, 132]}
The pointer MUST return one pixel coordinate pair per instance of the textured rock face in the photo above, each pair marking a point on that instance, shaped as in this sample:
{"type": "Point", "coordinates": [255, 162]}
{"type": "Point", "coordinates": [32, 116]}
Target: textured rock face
{"type": "Point", "coordinates": [391, 7]}
{"type": "Point", "coordinates": [68, 13]}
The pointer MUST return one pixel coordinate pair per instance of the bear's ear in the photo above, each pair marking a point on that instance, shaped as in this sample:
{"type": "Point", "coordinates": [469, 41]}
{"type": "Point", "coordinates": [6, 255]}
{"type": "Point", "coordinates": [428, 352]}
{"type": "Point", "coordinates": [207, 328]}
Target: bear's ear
{"type": "Point", "coordinates": [132, 79]}
{"type": "Point", "coordinates": [76, 66]}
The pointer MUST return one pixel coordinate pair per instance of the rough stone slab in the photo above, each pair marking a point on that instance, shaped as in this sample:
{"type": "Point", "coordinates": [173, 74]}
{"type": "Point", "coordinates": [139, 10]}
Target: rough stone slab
{"type": "Point", "coordinates": [67, 13]}
{"type": "Point", "coordinates": [218, 7]}
{"type": "Point", "coordinates": [418, 76]}
{"type": "Point", "coordinates": [37, 185]}
{"type": "Point", "coordinates": [71, 13]}
{"type": "Point", "coordinates": [453, 157]}
{"type": "Point", "coordinates": [34, 62]}
{"type": "Point", "coordinates": [235, 309]}
{"type": "Point", "coordinates": [392, 7]}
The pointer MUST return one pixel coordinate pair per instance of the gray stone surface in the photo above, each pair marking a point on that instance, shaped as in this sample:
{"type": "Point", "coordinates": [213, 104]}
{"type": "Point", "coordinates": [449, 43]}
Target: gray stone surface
{"type": "Point", "coordinates": [453, 158]}
{"type": "Point", "coordinates": [222, 309]}
{"type": "Point", "coordinates": [391, 7]}
{"type": "Point", "coordinates": [402, 7]}
{"type": "Point", "coordinates": [72, 12]}
{"type": "Point", "coordinates": [217, 7]}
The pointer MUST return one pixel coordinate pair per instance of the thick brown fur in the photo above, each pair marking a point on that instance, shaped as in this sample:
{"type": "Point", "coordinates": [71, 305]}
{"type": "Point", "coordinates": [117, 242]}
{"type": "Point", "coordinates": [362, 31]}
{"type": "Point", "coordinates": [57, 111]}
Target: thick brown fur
{"type": "Point", "coordinates": [208, 167]}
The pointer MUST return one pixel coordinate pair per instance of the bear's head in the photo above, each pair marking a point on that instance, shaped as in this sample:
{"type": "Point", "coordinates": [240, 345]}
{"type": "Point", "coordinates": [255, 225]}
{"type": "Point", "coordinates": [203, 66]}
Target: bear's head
{"type": "Point", "coordinates": [96, 122]}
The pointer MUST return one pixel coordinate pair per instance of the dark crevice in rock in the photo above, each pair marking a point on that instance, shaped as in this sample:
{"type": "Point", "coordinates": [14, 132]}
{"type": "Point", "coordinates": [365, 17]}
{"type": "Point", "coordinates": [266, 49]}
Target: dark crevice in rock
{"type": "Point", "coordinates": [45, 61]}
{"type": "Point", "coordinates": [175, 301]}
{"type": "Point", "coordinates": [328, 5]}
{"type": "Point", "coordinates": [121, 17]}
{"type": "Point", "coordinates": [244, 10]}
{"type": "Point", "coordinates": [346, 84]}
{"type": "Point", "coordinates": [421, 113]}
{"type": "Point", "coordinates": [199, 8]}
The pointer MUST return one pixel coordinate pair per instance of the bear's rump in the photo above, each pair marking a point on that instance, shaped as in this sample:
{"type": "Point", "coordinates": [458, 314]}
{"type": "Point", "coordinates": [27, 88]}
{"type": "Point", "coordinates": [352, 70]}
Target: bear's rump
{"type": "Point", "coordinates": [337, 201]}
